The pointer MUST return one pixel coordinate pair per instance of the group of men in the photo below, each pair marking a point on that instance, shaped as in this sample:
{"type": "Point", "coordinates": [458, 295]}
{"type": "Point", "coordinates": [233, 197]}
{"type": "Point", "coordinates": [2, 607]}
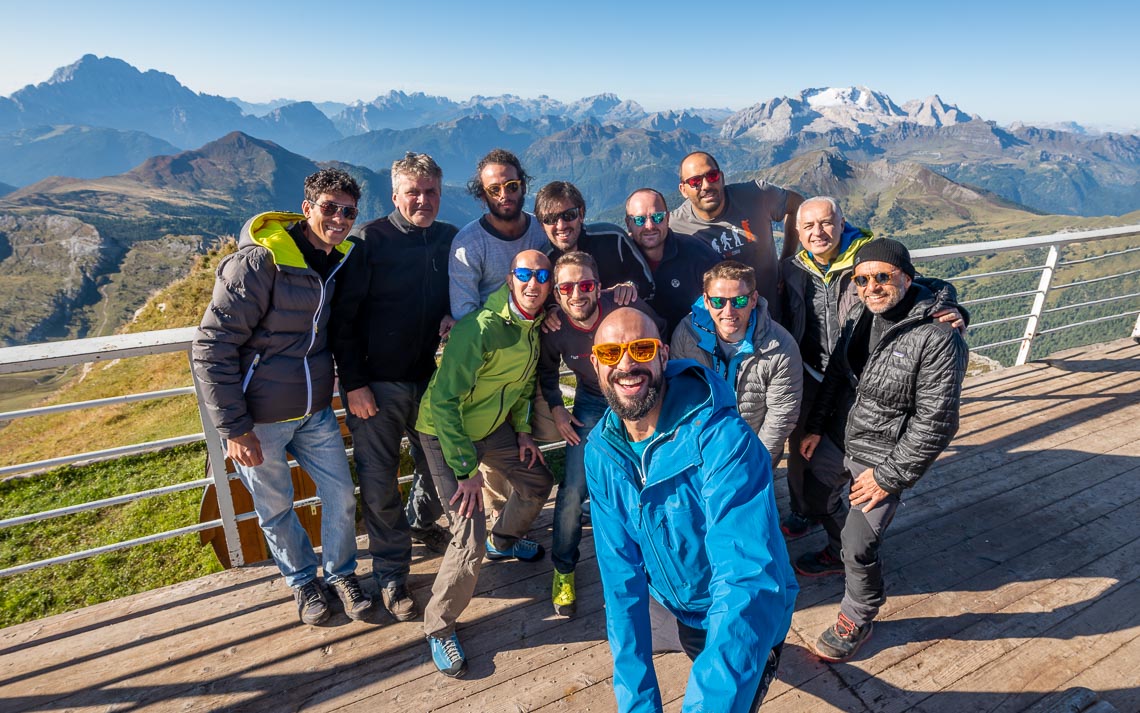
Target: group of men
{"type": "Point", "coordinates": [697, 353]}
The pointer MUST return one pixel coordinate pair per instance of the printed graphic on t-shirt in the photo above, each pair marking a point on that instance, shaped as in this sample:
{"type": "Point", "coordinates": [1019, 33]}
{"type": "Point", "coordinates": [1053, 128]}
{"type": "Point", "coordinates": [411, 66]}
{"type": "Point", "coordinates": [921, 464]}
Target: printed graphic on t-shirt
{"type": "Point", "coordinates": [731, 242]}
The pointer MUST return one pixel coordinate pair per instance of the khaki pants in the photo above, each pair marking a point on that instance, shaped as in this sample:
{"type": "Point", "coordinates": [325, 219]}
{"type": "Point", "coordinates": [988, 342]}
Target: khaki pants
{"type": "Point", "coordinates": [459, 571]}
{"type": "Point", "coordinates": [496, 489]}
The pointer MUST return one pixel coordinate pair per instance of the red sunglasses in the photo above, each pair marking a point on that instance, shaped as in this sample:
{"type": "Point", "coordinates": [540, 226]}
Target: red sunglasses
{"type": "Point", "coordinates": [712, 176]}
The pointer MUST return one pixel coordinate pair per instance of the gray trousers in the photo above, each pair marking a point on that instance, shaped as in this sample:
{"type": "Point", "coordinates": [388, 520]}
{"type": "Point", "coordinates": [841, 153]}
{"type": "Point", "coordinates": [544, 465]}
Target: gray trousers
{"type": "Point", "coordinates": [857, 534]}
{"type": "Point", "coordinates": [459, 571]}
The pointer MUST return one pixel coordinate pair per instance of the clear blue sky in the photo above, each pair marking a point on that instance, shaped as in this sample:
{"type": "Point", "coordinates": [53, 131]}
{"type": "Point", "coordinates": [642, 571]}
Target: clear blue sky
{"type": "Point", "coordinates": [1041, 62]}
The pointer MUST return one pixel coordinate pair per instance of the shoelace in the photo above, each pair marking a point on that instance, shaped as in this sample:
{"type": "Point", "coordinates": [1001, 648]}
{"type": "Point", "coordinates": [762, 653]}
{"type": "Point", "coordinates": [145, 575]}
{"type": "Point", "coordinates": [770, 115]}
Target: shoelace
{"type": "Point", "coordinates": [352, 588]}
{"type": "Point", "coordinates": [451, 650]}
{"type": "Point", "coordinates": [525, 547]}
{"type": "Point", "coordinates": [844, 626]}
{"type": "Point", "coordinates": [310, 593]}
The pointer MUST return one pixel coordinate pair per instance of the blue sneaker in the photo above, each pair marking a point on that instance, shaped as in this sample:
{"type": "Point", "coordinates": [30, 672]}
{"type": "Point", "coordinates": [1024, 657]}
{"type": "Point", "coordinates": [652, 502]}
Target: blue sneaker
{"type": "Point", "coordinates": [523, 549]}
{"type": "Point", "coordinates": [448, 656]}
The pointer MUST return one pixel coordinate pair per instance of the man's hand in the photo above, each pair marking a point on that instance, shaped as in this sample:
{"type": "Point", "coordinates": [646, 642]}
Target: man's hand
{"type": "Point", "coordinates": [808, 445]}
{"type": "Point", "coordinates": [527, 447]}
{"type": "Point", "coordinates": [470, 496]}
{"type": "Point", "coordinates": [361, 403]}
{"type": "Point", "coordinates": [553, 320]}
{"type": "Point", "coordinates": [445, 326]}
{"type": "Point", "coordinates": [624, 293]}
{"type": "Point", "coordinates": [953, 317]}
{"type": "Point", "coordinates": [245, 450]}
{"type": "Point", "coordinates": [564, 421]}
{"type": "Point", "coordinates": [866, 490]}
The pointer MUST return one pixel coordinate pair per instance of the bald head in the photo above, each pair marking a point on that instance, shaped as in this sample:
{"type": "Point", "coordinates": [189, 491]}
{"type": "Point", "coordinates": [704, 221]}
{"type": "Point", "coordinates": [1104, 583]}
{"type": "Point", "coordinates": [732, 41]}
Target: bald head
{"type": "Point", "coordinates": [624, 325]}
{"type": "Point", "coordinates": [534, 259]}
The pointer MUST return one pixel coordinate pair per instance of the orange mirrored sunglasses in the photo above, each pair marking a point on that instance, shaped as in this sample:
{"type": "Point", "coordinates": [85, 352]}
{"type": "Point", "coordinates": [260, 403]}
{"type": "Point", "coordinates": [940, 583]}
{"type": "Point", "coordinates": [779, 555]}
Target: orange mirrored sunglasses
{"type": "Point", "coordinates": [640, 350]}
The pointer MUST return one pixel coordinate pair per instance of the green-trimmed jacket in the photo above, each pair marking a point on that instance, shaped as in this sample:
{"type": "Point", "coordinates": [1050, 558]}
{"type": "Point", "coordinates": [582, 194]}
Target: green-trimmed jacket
{"type": "Point", "coordinates": [486, 374]}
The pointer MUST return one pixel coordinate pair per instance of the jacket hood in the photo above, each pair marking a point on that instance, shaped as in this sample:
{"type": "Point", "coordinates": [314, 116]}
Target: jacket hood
{"type": "Point", "coordinates": [271, 231]}
{"type": "Point", "coordinates": [850, 241]}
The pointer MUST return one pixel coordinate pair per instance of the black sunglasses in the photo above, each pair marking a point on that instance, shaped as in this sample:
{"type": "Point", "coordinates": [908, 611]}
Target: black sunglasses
{"type": "Point", "coordinates": [567, 215]}
{"type": "Point", "coordinates": [881, 278]}
{"type": "Point", "coordinates": [329, 209]}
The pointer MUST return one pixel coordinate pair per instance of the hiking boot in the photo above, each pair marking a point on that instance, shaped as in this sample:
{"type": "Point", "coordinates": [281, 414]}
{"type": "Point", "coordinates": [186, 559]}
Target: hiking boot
{"type": "Point", "coordinates": [796, 525]}
{"type": "Point", "coordinates": [840, 642]}
{"type": "Point", "coordinates": [398, 602]}
{"type": "Point", "coordinates": [312, 606]}
{"type": "Point", "coordinates": [523, 549]}
{"type": "Point", "coordinates": [818, 564]}
{"type": "Point", "coordinates": [563, 595]}
{"type": "Point", "coordinates": [435, 538]}
{"type": "Point", "coordinates": [356, 602]}
{"type": "Point", "coordinates": [447, 655]}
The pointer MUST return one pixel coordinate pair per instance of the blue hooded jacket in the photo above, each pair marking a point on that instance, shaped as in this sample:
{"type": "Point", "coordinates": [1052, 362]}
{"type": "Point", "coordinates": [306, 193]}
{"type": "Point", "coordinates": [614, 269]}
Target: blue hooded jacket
{"type": "Point", "coordinates": [702, 536]}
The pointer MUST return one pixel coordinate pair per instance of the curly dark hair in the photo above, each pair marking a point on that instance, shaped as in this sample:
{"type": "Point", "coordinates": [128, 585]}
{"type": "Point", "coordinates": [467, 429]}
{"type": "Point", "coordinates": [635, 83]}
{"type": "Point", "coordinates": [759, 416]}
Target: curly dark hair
{"type": "Point", "coordinates": [500, 157]}
{"type": "Point", "coordinates": [331, 180]}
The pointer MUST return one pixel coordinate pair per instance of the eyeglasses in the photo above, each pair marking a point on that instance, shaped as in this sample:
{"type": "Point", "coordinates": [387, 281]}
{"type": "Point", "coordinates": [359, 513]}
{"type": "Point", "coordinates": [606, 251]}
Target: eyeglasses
{"type": "Point", "coordinates": [567, 215]}
{"type": "Point", "coordinates": [881, 278]}
{"type": "Point", "coordinates": [712, 176]}
{"type": "Point", "coordinates": [584, 286]}
{"type": "Point", "coordinates": [496, 189]}
{"type": "Point", "coordinates": [639, 220]}
{"type": "Point", "coordinates": [640, 350]}
{"type": "Point", "coordinates": [329, 209]}
{"type": "Point", "coordinates": [739, 302]}
{"type": "Point", "coordinates": [523, 274]}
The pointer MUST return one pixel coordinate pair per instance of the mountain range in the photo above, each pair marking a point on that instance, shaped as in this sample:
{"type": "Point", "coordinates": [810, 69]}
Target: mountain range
{"type": "Point", "coordinates": [111, 178]}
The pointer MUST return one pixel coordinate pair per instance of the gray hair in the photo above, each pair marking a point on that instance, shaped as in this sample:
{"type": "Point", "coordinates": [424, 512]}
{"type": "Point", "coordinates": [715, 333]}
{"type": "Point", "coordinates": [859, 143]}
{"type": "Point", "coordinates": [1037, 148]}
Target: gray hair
{"type": "Point", "coordinates": [415, 165]}
{"type": "Point", "coordinates": [822, 199]}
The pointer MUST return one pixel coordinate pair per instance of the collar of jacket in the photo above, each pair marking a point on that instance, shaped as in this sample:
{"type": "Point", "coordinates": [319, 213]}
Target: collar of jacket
{"type": "Point", "coordinates": [852, 239]}
{"type": "Point", "coordinates": [270, 231]}
{"type": "Point", "coordinates": [499, 303]}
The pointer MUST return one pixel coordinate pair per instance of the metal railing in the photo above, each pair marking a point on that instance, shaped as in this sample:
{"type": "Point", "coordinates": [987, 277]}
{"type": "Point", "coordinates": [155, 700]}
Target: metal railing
{"type": "Point", "coordinates": [58, 354]}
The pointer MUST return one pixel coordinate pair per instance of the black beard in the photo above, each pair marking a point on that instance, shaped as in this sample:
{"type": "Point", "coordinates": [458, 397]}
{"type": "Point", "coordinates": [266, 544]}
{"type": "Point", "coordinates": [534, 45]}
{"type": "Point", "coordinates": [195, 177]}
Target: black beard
{"type": "Point", "coordinates": [636, 408]}
{"type": "Point", "coordinates": [510, 214]}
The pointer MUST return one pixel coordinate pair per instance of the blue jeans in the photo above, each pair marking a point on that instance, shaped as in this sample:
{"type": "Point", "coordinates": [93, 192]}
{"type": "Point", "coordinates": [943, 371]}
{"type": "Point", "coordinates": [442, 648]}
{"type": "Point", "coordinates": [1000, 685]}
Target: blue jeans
{"type": "Point", "coordinates": [316, 444]}
{"type": "Point", "coordinates": [572, 490]}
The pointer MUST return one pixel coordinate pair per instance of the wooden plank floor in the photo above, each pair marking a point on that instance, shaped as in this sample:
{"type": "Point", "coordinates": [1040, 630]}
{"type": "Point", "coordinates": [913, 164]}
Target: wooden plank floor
{"type": "Point", "coordinates": [1013, 573]}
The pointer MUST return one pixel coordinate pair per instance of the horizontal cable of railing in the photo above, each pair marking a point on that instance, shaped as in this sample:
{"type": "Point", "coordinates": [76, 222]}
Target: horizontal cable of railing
{"type": "Point", "coordinates": [1063, 327]}
{"type": "Point", "coordinates": [105, 454]}
{"type": "Point", "coordinates": [1091, 280]}
{"type": "Point", "coordinates": [1076, 305]}
{"type": "Point", "coordinates": [94, 403]}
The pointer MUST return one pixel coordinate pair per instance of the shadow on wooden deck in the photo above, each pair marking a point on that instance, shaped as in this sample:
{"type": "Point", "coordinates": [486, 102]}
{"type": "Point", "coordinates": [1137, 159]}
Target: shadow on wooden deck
{"type": "Point", "coordinates": [1012, 574]}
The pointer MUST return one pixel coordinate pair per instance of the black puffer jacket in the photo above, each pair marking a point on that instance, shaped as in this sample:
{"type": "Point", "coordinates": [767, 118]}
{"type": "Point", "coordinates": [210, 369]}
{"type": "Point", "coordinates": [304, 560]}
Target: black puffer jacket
{"type": "Point", "coordinates": [904, 410]}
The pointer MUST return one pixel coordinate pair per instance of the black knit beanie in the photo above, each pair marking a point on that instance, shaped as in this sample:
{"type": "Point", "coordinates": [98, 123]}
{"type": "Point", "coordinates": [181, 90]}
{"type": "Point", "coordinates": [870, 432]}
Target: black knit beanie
{"type": "Point", "coordinates": [889, 251]}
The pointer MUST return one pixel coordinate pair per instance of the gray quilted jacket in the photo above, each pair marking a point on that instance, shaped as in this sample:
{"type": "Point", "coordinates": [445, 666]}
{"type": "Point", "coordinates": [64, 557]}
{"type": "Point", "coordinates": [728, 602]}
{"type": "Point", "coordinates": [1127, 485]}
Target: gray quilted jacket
{"type": "Point", "coordinates": [261, 353]}
{"type": "Point", "coordinates": [903, 411]}
{"type": "Point", "coordinates": [766, 374]}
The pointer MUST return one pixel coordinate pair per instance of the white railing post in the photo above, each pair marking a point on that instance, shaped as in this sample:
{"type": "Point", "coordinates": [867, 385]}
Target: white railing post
{"type": "Point", "coordinates": [1136, 329]}
{"type": "Point", "coordinates": [1038, 303]}
{"type": "Point", "coordinates": [217, 462]}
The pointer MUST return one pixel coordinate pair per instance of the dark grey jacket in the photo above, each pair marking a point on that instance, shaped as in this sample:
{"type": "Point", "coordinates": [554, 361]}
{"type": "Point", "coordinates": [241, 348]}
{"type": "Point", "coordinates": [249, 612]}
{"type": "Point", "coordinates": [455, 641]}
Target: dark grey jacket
{"type": "Point", "coordinates": [903, 411]}
{"type": "Point", "coordinates": [261, 353]}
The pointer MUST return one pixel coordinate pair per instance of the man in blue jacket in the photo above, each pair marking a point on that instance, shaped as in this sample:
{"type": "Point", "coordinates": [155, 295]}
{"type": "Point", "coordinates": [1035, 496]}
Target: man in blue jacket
{"type": "Point", "coordinates": [683, 511]}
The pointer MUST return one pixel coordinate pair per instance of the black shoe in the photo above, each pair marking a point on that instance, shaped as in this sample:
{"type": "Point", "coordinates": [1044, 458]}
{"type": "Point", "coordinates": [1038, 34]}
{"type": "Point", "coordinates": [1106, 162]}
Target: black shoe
{"type": "Point", "coordinates": [796, 525]}
{"type": "Point", "coordinates": [818, 564]}
{"type": "Point", "coordinates": [841, 641]}
{"type": "Point", "coordinates": [312, 606]}
{"type": "Point", "coordinates": [398, 602]}
{"type": "Point", "coordinates": [356, 603]}
{"type": "Point", "coordinates": [435, 538]}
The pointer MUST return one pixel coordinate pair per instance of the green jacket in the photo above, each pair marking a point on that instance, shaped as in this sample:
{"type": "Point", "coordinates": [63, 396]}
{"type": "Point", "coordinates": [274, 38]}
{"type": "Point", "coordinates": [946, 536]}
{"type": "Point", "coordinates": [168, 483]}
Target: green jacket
{"type": "Point", "coordinates": [487, 373]}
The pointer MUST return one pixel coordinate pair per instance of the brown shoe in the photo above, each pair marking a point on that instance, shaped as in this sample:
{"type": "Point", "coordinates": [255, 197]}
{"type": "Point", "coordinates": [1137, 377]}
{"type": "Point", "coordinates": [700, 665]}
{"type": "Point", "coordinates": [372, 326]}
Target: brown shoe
{"type": "Point", "coordinates": [399, 603]}
{"type": "Point", "coordinates": [356, 603]}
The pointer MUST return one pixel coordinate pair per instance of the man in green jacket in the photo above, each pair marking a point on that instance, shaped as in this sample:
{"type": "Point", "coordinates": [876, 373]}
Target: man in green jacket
{"type": "Point", "coordinates": [477, 409]}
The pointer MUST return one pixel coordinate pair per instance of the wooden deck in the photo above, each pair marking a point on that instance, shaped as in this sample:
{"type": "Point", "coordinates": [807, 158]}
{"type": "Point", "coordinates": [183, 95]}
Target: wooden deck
{"type": "Point", "coordinates": [1012, 571]}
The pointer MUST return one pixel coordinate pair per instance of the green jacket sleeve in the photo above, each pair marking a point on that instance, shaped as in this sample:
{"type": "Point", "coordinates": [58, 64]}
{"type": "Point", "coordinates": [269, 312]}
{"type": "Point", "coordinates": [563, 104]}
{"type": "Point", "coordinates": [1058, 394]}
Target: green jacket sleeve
{"type": "Point", "coordinates": [455, 379]}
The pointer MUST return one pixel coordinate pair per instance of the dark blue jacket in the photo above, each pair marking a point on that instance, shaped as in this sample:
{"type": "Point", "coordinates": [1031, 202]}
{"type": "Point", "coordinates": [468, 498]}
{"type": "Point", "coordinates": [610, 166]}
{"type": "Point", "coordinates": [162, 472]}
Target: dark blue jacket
{"type": "Point", "coordinates": [702, 536]}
